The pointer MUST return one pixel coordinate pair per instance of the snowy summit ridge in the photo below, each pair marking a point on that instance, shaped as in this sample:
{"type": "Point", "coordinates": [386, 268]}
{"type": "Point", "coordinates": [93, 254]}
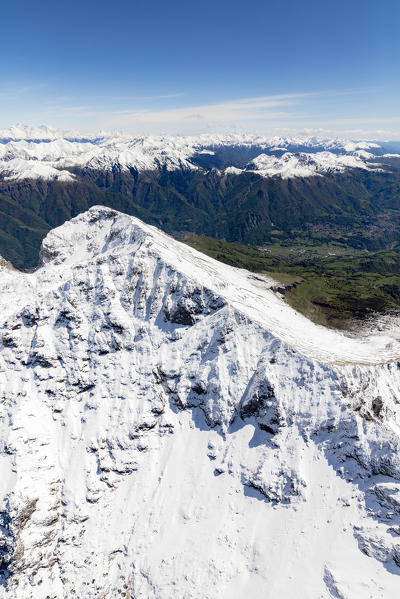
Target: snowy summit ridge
{"type": "Point", "coordinates": [169, 427]}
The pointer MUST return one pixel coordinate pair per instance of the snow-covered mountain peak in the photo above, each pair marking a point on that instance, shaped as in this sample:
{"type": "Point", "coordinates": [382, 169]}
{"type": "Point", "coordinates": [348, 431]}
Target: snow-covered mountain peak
{"type": "Point", "coordinates": [100, 232]}
{"type": "Point", "coordinates": [39, 133]}
{"type": "Point", "coordinates": [170, 427]}
{"type": "Point", "coordinates": [307, 165]}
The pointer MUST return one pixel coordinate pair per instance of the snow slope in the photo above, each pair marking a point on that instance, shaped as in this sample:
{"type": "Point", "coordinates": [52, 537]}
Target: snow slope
{"type": "Point", "coordinates": [171, 428]}
{"type": "Point", "coordinates": [45, 153]}
{"type": "Point", "coordinates": [308, 165]}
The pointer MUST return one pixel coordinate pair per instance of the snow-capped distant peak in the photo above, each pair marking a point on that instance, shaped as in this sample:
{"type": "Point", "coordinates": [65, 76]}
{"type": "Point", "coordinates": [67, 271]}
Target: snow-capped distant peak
{"type": "Point", "coordinates": [307, 165]}
{"type": "Point", "coordinates": [39, 133]}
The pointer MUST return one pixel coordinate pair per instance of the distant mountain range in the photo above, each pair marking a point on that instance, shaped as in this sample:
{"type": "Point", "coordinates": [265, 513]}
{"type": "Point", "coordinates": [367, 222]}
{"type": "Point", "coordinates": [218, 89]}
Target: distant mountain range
{"type": "Point", "coordinates": [46, 153]}
{"type": "Point", "coordinates": [239, 187]}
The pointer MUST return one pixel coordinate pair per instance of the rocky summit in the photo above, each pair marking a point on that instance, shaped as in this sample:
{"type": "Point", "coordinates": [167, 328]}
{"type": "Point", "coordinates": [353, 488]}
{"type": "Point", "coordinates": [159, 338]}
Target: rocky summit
{"type": "Point", "coordinates": [171, 428]}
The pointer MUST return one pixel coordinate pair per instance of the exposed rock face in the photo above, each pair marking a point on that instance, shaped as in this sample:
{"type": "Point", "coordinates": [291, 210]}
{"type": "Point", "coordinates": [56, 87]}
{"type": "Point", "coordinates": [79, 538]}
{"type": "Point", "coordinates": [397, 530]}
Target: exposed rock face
{"type": "Point", "coordinates": [170, 428]}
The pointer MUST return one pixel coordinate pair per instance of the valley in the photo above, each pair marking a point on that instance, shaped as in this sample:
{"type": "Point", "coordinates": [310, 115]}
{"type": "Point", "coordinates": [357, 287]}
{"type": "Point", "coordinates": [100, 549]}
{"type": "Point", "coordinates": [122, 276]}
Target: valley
{"type": "Point", "coordinates": [334, 285]}
{"type": "Point", "coordinates": [331, 223]}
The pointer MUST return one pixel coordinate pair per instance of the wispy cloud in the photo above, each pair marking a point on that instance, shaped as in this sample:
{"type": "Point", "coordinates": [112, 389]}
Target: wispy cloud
{"type": "Point", "coordinates": [61, 111]}
{"type": "Point", "coordinates": [62, 106]}
{"type": "Point", "coordinates": [144, 97]}
{"type": "Point", "coordinates": [10, 91]}
{"type": "Point", "coordinates": [265, 114]}
{"type": "Point", "coordinates": [263, 108]}
{"type": "Point", "coordinates": [287, 110]}
{"type": "Point", "coordinates": [354, 121]}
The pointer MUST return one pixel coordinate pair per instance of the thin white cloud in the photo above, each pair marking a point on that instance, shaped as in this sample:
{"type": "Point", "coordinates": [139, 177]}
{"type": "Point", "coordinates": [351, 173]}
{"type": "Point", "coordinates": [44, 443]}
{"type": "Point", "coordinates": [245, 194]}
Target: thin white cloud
{"type": "Point", "coordinates": [261, 112]}
{"type": "Point", "coordinates": [150, 97]}
{"type": "Point", "coordinates": [11, 92]}
{"type": "Point", "coordinates": [355, 121]}
{"type": "Point", "coordinates": [285, 113]}
{"type": "Point", "coordinates": [264, 108]}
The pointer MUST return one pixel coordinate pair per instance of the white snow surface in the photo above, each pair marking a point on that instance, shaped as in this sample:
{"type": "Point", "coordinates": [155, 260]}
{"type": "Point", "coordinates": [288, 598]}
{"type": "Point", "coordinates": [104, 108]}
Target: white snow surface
{"type": "Point", "coordinates": [291, 165]}
{"type": "Point", "coordinates": [46, 153]}
{"type": "Point", "coordinates": [42, 132]}
{"type": "Point", "coordinates": [170, 428]}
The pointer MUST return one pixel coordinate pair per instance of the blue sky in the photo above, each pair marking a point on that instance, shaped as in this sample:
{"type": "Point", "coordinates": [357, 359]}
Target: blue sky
{"type": "Point", "coordinates": [189, 67]}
